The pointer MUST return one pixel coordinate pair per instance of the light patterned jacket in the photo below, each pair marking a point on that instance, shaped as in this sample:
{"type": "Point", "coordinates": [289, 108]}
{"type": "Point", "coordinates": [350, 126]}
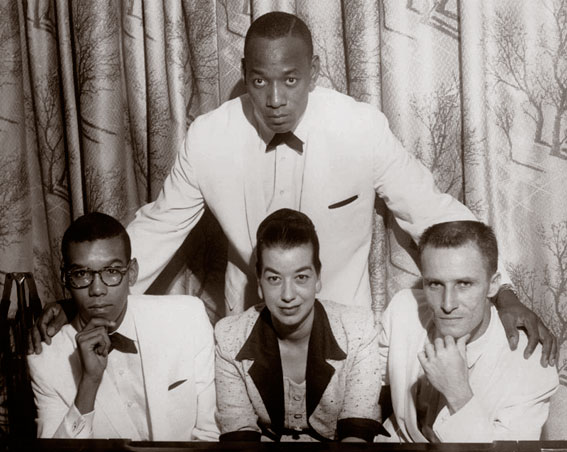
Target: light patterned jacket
{"type": "Point", "coordinates": [342, 376]}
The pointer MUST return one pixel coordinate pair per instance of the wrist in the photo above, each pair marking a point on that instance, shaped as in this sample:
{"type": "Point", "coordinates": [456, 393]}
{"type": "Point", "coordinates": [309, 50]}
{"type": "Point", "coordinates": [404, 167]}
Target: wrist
{"type": "Point", "coordinates": [458, 400]}
{"type": "Point", "coordinates": [507, 295]}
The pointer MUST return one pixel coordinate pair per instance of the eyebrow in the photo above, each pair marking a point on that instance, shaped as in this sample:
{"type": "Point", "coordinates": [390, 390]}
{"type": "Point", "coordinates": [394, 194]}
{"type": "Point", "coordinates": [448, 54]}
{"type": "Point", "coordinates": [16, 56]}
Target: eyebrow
{"type": "Point", "coordinates": [299, 270]}
{"type": "Point", "coordinates": [115, 261]}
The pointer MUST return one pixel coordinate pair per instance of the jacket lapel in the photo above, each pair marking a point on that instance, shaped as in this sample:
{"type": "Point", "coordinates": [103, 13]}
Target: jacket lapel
{"type": "Point", "coordinates": [152, 356]}
{"type": "Point", "coordinates": [322, 346]}
{"type": "Point", "coordinates": [266, 371]}
{"type": "Point", "coordinates": [252, 173]}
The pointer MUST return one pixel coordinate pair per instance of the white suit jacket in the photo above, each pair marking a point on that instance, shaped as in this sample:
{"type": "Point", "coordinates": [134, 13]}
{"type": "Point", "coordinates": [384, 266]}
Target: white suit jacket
{"type": "Point", "coordinates": [176, 347]}
{"type": "Point", "coordinates": [511, 394]}
{"type": "Point", "coordinates": [350, 156]}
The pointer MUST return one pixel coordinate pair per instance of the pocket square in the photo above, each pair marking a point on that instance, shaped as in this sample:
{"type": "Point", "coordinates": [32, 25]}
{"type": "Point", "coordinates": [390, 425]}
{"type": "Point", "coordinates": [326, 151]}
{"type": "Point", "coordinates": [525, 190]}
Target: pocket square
{"type": "Point", "coordinates": [343, 202]}
{"type": "Point", "coordinates": [177, 383]}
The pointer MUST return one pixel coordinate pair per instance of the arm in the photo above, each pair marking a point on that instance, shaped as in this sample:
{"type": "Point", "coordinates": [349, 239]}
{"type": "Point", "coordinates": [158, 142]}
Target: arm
{"type": "Point", "coordinates": [358, 417]}
{"type": "Point", "coordinates": [205, 424]}
{"type": "Point", "coordinates": [236, 415]}
{"type": "Point", "coordinates": [160, 227]}
{"type": "Point", "coordinates": [519, 416]}
{"type": "Point", "coordinates": [409, 191]}
{"type": "Point", "coordinates": [56, 417]}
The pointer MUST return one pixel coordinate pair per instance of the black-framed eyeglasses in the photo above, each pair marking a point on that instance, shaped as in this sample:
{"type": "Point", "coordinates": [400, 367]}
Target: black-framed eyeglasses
{"type": "Point", "coordinates": [81, 278]}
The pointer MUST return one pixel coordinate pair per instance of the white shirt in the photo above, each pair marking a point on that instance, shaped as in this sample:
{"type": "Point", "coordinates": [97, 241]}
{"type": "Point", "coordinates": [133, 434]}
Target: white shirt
{"type": "Point", "coordinates": [510, 394]}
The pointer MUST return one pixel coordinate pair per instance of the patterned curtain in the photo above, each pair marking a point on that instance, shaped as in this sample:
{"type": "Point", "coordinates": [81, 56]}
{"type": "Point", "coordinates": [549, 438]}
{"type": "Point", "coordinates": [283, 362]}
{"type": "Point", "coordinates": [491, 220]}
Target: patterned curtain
{"type": "Point", "coordinates": [96, 97]}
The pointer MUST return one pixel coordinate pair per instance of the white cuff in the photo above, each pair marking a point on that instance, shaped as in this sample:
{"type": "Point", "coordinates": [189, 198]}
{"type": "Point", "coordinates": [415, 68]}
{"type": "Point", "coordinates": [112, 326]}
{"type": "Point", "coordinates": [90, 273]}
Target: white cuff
{"type": "Point", "coordinates": [78, 425]}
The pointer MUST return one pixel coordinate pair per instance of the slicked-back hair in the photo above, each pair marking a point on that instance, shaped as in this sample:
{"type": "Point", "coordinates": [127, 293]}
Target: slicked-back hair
{"type": "Point", "coordinates": [94, 226]}
{"type": "Point", "coordinates": [286, 228]}
{"type": "Point", "coordinates": [455, 234]}
{"type": "Point", "coordinates": [278, 24]}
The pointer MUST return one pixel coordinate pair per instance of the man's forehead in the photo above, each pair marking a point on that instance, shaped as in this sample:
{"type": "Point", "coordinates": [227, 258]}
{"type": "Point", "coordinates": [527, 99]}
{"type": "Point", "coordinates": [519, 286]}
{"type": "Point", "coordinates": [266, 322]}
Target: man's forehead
{"type": "Point", "coordinates": [101, 250]}
{"type": "Point", "coordinates": [260, 48]}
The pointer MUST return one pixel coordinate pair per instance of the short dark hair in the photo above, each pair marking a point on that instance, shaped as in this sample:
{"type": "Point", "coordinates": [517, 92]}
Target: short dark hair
{"type": "Point", "coordinates": [454, 234]}
{"type": "Point", "coordinates": [286, 228]}
{"type": "Point", "coordinates": [278, 24]}
{"type": "Point", "coordinates": [94, 226]}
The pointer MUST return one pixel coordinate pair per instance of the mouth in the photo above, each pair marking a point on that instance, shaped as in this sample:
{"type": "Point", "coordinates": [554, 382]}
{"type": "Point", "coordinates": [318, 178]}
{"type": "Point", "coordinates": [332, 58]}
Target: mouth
{"type": "Point", "coordinates": [450, 319]}
{"type": "Point", "coordinates": [290, 310]}
{"type": "Point", "coordinates": [100, 307]}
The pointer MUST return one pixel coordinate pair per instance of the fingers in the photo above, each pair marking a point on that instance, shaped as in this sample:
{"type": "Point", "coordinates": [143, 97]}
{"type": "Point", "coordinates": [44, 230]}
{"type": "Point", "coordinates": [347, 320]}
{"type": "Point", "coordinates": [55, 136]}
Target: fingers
{"type": "Point", "coordinates": [50, 311]}
{"type": "Point", "coordinates": [549, 346]}
{"type": "Point", "coordinates": [533, 336]}
{"type": "Point", "coordinates": [94, 339]}
{"type": "Point", "coordinates": [34, 341]}
{"type": "Point", "coordinates": [96, 322]}
{"type": "Point", "coordinates": [512, 333]}
{"type": "Point", "coordinates": [422, 359]}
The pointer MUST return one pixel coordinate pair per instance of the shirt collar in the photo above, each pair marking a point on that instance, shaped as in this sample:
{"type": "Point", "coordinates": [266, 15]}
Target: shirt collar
{"type": "Point", "coordinates": [476, 348]}
{"type": "Point", "coordinates": [127, 327]}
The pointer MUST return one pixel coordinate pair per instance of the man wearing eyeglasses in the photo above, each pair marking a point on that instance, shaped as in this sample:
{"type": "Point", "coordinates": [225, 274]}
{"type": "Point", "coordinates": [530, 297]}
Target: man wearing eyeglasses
{"type": "Point", "coordinates": [112, 372]}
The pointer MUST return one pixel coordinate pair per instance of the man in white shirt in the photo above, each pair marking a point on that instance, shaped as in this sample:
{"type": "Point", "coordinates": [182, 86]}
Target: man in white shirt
{"type": "Point", "coordinates": [287, 143]}
{"type": "Point", "coordinates": [444, 354]}
{"type": "Point", "coordinates": [138, 367]}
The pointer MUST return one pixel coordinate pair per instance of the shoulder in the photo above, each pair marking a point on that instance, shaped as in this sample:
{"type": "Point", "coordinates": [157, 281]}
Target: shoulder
{"type": "Point", "coordinates": [55, 355]}
{"type": "Point", "coordinates": [528, 374]}
{"type": "Point", "coordinates": [169, 310]}
{"type": "Point", "coordinates": [405, 301]}
{"type": "Point", "coordinates": [335, 104]}
{"type": "Point", "coordinates": [353, 321]}
{"type": "Point", "coordinates": [231, 332]}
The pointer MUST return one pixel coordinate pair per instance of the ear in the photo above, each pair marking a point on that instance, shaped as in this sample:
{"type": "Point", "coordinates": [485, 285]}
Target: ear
{"type": "Point", "coordinates": [243, 69]}
{"type": "Point", "coordinates": [315, 67]}
{"type": "Point", "coordinates": [494, 285]}
{"type": "Point", "coordinates": [133, 272]}
{"type": "Point", "coordinates": [318, 284]}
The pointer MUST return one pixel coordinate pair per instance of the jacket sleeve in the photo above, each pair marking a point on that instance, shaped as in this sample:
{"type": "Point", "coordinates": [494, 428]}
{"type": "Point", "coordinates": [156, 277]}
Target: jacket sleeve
{"type": "Point", "coordinates": [206, 428]}
{"type": "Point", "coordinates": [236, 415]}
{"type": "Point", "coordinates": [359, 415]}
{"type": "Point", "coordinates": [520, 418]}
{"type": "Point", "coordinates": [160, 227]}
{"type": "Point", "coordinates": [55, 418]}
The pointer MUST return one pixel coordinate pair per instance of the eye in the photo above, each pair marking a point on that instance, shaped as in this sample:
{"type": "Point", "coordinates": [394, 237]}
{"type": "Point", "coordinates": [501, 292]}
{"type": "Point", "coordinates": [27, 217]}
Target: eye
{"type": "Point", "coordinates": [272, 279]}
{"type": "Point", "coordinates": [464, 284]}
{"type": "Point", "coordinates": [259, 82]}
{"type": "Point", "coordinates": [290, 81]}
{"type": "Point", "coordinates": [112, 271]}
{"type": "Point", "coordinates": [433, 284]}
{"type": "Point", "coordinates": [302, 278]}
{"type": "Point", "coordinates": [79, 273]}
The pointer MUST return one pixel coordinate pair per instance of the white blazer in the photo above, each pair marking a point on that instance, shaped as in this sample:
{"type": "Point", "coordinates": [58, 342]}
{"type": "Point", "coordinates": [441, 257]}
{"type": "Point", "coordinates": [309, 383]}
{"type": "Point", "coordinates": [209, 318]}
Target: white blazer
{"type": "Point", "coordinates": [176, 345]}
{"type": "Point", "coordinates": [350, 156]}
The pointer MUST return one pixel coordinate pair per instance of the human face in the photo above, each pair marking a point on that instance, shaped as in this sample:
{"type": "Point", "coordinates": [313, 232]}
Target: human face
{"type": "Point", "coordinates": [288, 285]}
{"type": "Point", "coordinates": [457, 287]}
{"type": "Point", "coordinates": [278, 74]}
{"type": "Point", "coordinates": [98, 299]}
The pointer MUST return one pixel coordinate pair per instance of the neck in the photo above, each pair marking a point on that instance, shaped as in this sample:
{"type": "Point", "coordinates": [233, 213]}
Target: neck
{"type": "Point", "coordinates": [296, 334]}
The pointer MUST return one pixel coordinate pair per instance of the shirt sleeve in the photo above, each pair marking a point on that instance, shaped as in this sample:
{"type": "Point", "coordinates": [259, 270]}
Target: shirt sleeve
{"type": "Point", "coordinates": [160, 227]}
{"type": "Point", "coordinates": [76, 425]}
{"type": "Point", "coordinates": [409, 190]}
{"type": "Point", "coordinates": [521, 418]}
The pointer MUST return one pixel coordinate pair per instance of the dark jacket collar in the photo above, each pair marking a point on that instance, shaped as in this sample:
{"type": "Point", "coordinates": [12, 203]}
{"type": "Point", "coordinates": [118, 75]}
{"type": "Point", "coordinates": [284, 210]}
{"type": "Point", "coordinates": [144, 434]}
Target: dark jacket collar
{"type": "Point", "coordinates": [266, 371]}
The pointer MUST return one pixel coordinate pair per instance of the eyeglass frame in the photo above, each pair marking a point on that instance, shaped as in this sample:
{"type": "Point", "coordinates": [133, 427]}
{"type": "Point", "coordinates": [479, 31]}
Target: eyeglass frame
{"type": "Point", "coordinates": [65, 278]}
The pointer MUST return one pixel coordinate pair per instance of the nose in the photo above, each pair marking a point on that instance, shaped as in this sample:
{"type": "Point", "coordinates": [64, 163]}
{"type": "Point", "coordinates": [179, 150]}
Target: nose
{"type": "Point", "coordinates": [288, 291]}
{"type": "Point", "coordinates": [276, 97]}
{"type": "Point", "coordinates": [97, 287]}
{"type": "Point", "coordinates": [449, 303]}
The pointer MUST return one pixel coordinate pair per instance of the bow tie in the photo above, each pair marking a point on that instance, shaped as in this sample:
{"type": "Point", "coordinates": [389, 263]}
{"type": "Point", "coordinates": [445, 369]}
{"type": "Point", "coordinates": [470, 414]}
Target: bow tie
{"type": "Point", "coordinates": [122, 344]}
{"type": "Point", "coordinates": [288, 138]}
